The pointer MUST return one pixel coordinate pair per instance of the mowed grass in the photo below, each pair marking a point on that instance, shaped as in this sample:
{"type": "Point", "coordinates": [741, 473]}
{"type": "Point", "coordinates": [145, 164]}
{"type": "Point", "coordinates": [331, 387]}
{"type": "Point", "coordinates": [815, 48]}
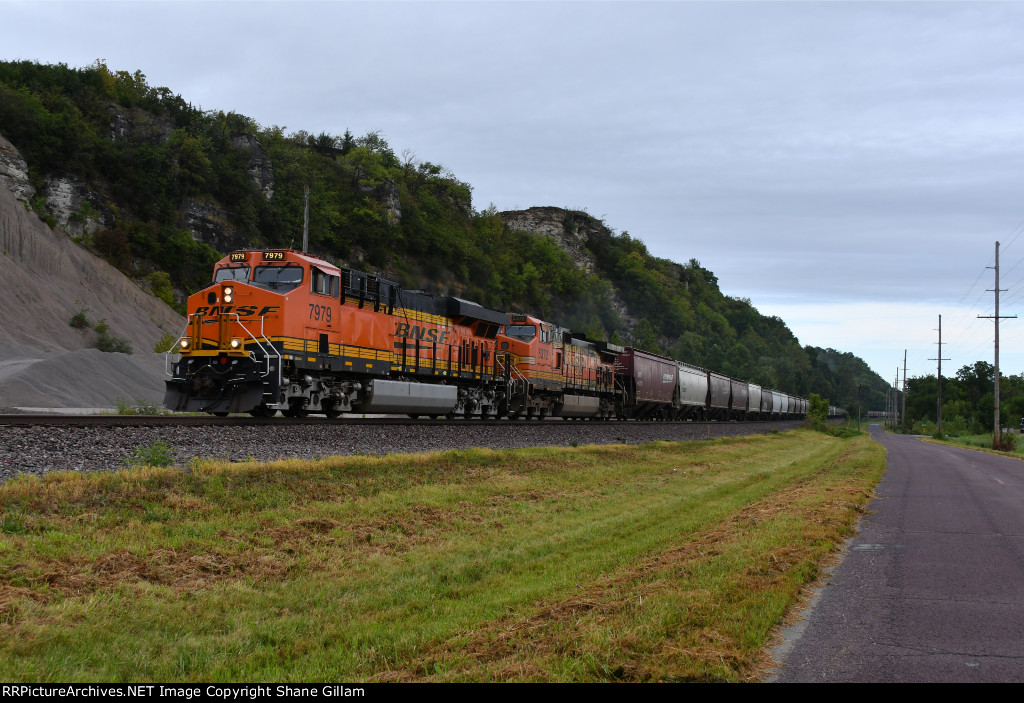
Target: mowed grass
{"type": "Point", "coordinates": [661, 562]}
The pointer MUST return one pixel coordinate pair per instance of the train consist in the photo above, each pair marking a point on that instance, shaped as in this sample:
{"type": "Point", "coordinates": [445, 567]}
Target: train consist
{"type": "Point", "coordinates": [279, 330]}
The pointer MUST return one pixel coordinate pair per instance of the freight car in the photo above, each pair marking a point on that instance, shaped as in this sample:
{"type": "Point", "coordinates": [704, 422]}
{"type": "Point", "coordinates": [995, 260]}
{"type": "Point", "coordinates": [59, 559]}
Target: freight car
{"type": "Point", "coordinates": [280, 330]}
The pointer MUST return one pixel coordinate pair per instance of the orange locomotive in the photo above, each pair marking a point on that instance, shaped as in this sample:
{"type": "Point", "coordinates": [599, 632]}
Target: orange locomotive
{"type": "Point", "coordinates": [553, 372]}
{"type": "Point", "coordinates": [282, 330]}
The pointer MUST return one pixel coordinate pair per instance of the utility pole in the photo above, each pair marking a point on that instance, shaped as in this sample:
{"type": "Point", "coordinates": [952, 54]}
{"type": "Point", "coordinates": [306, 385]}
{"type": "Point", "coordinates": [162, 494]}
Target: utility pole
{"type": "Point", "coordinates": [885, 420]}
{"type": "Point", "coordinates": [858, 407]}
{"type": "Point", "coordinates": [903, 413]}
{"type": "Point", "coordinates": [305, 220]}
{"type": "Point", "coordinates": [938, 409]}
{"type": "Point", "coordinates": [888, 407]}
{"type": "Point", "coordinates": [996, 427]}
{"type": "Point", "coordinates": [896, 399]}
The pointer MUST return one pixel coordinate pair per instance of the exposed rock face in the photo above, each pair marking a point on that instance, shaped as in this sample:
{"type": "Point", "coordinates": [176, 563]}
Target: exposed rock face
{"type": "Point", "coordinates": [73, 205]}
{"type": "Point", "coordinates": [210, 224]}
{"type": "Point", "coordinates": [48, 279]}
{"type": "Point", "coordinates": [569, 228]}
{"type": "Point", "coordinates": [390, 197]}
{"type": "Point", "coordinates": [79, 210]}
{"type": "Point", "coordinates": [14, 171]}
{"type": "Point", "coordinates": [136, 126]}
{"type": "Point", "coordinates": [260, 169]}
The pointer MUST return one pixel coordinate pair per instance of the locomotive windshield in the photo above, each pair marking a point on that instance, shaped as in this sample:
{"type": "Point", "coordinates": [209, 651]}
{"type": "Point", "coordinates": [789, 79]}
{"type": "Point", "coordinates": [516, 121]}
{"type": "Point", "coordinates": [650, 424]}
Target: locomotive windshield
{"type": "Point", "coordinates": [521, 332]}
{"type": "Point", "coordinates": [231, 273]}
{"type": "Point", "coordinates": [278, 277]}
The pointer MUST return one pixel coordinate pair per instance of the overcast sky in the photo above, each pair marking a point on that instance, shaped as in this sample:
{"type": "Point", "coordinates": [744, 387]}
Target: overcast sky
{"type": "Point", "coordinates": [848, 166]}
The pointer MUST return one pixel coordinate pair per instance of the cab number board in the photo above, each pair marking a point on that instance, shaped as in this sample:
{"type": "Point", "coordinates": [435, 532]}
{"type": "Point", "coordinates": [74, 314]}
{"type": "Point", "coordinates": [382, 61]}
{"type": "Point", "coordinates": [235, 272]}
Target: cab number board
{"type": "Point", "coordinates": [321, 313]}
{"type": "Point", "coordinates": [273, 256]}
{"type": "Point", "coordinates": [238, 256]}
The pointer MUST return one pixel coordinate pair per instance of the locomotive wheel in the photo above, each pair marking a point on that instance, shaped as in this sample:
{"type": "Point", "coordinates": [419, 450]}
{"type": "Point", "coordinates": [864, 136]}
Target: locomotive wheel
{"type": "Point", "coordinates": [262, 411]}
{"type": "Point", "coordinates": [296, 410]}
{"type": "Point", "coordinates": [331, 410]}
{"type": "Point", "coordinates": [220, 414]}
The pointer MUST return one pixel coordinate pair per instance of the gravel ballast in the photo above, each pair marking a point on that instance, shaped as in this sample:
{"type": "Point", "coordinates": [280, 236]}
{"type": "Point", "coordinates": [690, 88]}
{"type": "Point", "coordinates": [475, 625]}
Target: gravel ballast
{"type": "Point", "coordinates": [40, 450]}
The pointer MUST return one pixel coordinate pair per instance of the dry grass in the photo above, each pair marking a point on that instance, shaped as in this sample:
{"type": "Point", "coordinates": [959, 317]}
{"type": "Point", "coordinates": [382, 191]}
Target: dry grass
{"type": "Point", "coordinates": [654, 563]}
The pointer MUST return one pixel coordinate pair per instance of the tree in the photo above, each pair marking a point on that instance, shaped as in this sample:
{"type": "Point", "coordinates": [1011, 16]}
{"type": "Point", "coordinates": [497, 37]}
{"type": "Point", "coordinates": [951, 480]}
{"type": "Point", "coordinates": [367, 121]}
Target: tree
{"type": "Point", "coordinates": [817, 412]}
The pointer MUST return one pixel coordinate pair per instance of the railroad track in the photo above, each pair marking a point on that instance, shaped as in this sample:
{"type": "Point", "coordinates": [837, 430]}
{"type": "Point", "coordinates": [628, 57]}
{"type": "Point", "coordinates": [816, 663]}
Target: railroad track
{"type": "Point", "coordinates": [63, 420]}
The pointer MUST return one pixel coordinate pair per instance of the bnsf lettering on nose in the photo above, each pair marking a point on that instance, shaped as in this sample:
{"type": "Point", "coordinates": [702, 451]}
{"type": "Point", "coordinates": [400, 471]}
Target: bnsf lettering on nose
{"type": "Point", "coordinates": [404, 329]}
{"type": "Point", "coordinates": [242, 310]}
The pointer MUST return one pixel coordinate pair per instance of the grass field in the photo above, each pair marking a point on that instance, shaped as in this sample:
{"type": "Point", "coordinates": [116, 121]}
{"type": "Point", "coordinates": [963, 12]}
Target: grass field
{"type": "Point", "coordinates": [661, 562]}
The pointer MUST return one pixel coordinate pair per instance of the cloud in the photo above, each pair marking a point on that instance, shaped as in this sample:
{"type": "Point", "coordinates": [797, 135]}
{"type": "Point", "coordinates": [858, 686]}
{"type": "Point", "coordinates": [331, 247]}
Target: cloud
{"type": "Point", "coordinates": [863, 154]}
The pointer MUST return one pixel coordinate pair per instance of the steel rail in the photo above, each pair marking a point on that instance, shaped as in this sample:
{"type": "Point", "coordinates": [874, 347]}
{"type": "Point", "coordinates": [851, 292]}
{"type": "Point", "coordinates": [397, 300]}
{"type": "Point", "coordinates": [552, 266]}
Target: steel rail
{"type": "Point", "coordinates": [64, 420]}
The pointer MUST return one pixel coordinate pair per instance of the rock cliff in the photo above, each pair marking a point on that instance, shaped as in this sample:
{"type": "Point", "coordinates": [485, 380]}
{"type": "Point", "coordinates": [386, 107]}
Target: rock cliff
{"type": "Point", "coordinates": [48, 279]}
{"type": "Point", "coordinates": [567, 227]}
{"type": "Point", "coordinates": [571, 229]}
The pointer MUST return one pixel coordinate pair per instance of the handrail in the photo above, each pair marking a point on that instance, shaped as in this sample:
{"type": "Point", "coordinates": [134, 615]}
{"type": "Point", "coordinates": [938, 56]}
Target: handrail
{"type": "Point", "coordinates": [266, 354]}
{"type": "Point", "coordinates": [176, 349]}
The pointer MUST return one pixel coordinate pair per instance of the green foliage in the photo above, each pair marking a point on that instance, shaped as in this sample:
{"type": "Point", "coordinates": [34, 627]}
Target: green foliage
{"type": "Point", "coordinates": [79, 320]}
{"type": "Point", "coordinates": [842, 432]}
{"type": "Point", "coordinates": [105, 342]}
{"type": "Point", "coordinates": [159, 453]}
{"type": "Point", "coordinates": [12, 523]}
{"type": "Point", "coordinates": [817, 412]}
{"type": "Point", "coordinates": [1007, 442]}
{"type": "Point", "coordinates": [160, 283]}
{"type": "Point", "coordinates": [165, 343]}
{"type": "Point", "coordinates": [645, 337]}
{"type": "Point", "coordinates": [140, 407]}
{"type": "Point", "coordinates": [968, 402]}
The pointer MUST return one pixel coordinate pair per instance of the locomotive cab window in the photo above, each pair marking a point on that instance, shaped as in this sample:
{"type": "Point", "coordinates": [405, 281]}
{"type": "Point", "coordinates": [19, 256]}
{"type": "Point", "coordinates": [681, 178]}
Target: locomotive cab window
{"type": "Point", "coordinates": [231, 273]}
{"type": "Point", "coordinates": [486, 330]}
{"type": "Point", "coordinates": [324, 283]}
{"type": "Point", "coordinates": [523, 333]}
{"type": "Point", "coordinates": [278, 278]}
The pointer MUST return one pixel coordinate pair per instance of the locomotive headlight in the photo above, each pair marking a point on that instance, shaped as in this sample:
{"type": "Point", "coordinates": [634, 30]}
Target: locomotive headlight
{"type": "Point", "coordinates": [228, 297]}
{"type": "Point", "coordinates": [236, 343]}
{"type": "Point", "coordinates": [229, 293]}
{"type": "Point", "coordinates": [228, 290]}
{"type": "Point", "coordinates": [183, 343]}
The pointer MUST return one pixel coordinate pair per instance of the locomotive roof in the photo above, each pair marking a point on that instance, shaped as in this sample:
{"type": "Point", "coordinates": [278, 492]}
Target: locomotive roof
{"type": "Point", "coordinates": [447, 306]}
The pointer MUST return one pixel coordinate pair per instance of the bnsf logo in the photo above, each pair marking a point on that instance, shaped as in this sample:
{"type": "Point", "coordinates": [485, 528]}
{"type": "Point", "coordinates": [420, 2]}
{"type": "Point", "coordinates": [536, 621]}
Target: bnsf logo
{"type": "Point", "coordinates": [404, 329]}
{"type": "Point", "coordinates": [243, 310]}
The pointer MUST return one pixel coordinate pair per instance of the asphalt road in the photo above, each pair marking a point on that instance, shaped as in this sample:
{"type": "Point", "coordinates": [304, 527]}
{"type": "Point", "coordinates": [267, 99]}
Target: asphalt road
{"type": "Point", "coordinates": [932, 587]}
